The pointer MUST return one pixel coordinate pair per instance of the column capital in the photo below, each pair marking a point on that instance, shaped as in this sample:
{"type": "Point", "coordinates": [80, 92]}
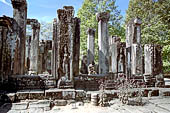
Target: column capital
{"type": "Point", "coordinates": [137, 21]}
{"type": "Point", "coordinates": [91, 31]}
{"type": "Point", "coordinates": [103, 16]}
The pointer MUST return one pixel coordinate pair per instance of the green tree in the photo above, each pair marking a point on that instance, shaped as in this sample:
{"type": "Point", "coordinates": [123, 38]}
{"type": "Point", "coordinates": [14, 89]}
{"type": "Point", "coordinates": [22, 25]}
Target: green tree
{"type": "Point", "coordinates": [87, 14]}
{"type": "Point", "coordinates": [155, 15]}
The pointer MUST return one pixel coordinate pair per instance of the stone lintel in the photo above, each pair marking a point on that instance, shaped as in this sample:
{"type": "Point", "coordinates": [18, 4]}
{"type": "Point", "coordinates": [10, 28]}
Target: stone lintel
{"type": "Point", "coordinates": [91, 31]}
{"type": "Point", "coordinates": [103, 16]}
{"type": "Point", "coordinates": [6, 21]}
{"type": "Point", "coordinates": [34, 23]}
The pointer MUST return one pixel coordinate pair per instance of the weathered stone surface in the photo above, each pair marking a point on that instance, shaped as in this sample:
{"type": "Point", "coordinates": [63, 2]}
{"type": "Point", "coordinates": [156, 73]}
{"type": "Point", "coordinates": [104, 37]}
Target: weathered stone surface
{"type": "Point", "coordinates": [137, 67]}
{"type": "Point", "coordinates": [60, 102]}
{"type": "Point", "coordinates": [153, 59]}
{"type": "Point", "coordinates": [90, 46]}
{"type": "Point", "coordinates": [8, 37]}
{"type": "Point", "coordinates": [83, 68]}
{"type": "Point", "coordinates": [54, 65]}
{"type": "Point", "coordinates": [133, 32]}
{"type": "Point", "coordinates": [67, 95]}
{"type": "Point", "coordinates": [68, 32]}
{"type": "Point", "coordinates": [19, 106]}
{"type": "Point", "coordinates": [103, 42]}
{"type": "Point", "coordinates": [34, 50]}
{"type": "Point", "coordinates": [27, 53]}
{"type": "Point", "coordinates": [53, 94]}
{"type": "Point", "coordinates": [40, 104]}
{"type": "Point", "coordinates": [20, 15]}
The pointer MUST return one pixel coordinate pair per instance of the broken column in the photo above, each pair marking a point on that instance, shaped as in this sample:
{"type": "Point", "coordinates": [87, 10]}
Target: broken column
{"type": "Point", "coordinates": [20, 15]}
{"type": "Point", "coordinates": [90, 46]}
{"type": "Point", "coordinates": [134, 53]}
{"type": "Point", "coordinates": [117, 53]}
{"type": "Point", "coordinates": [103, 42]}
{"type": "Point", "coordinates": [34, 45]}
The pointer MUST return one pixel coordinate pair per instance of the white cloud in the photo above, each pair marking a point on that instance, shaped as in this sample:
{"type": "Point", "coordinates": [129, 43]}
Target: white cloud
{"type": "Point", "coordinates": [5, 2]}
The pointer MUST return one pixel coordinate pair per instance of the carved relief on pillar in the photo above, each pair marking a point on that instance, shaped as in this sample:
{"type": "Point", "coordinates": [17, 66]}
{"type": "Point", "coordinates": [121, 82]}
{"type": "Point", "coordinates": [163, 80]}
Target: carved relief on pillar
{"type": "Point", "coordinates": [121, 58]}
{"type": "Point", "coordinates": [65, 18]}
{"type": "Point", "coordinates": [68, 42]}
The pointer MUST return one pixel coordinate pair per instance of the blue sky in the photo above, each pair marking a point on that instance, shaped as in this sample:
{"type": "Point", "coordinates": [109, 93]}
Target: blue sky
{"type": "Point", "coordinates": [46, 10]}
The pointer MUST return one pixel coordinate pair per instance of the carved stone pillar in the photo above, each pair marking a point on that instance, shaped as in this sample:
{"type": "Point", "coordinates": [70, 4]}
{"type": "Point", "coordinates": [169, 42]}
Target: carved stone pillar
{"type": "Point", "coordinates": [34, 52]}
{"type": "Point", "coordinates": [68, 40]}
{"type": "Point", "coordinates": [90, 46]}
{"type": "Point", "coordinates": [153, 59]}
{"type": "Point", "coordinates": [103, 42]}
{"type": "Point", "coordinates": [20, 15]}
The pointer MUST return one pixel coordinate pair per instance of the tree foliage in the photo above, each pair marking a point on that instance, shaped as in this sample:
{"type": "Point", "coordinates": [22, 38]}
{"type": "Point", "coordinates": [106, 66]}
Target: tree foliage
{"type": "Point", "coordinates": [155, 15]}
{"type": "Point", "coordinates": [87, 14]}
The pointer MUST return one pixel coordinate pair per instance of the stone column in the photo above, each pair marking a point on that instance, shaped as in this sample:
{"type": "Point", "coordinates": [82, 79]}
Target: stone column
{"type": "Point", "coordinates": [136, 48]}
{"type": "Point", "coordinates": [3, 53]}
{"type": "Point", "coordinates": [34, 47]}
{"type": "Point", "coordinates": [136, 58]}
{"type": "Point", "coordinates": [148, 53]}
{"type": "Point", "coordinates": [133, 48]}
{"type": "Point", "coordinates": [54, 50]}
{"type": "Point", "coordinates": [90, 46]}
{"type": "Point", "coordinates": [27, 52]}
{"type": "Point", "coordinates": [20, 15]}
{"type": "Point", "coordinates": [76, 45]}
{"type": "Point", "coordinates": [153, 59]}
{"type": "Point", "coordinates": [103, 42]}
{"type": "Point", "coordinates": [114, 55]}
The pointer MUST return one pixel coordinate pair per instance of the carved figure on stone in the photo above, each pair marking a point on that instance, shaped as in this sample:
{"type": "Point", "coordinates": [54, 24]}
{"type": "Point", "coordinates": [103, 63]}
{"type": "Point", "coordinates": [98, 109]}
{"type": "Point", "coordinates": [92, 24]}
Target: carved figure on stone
{"type": "Point", "coordinates": [65, 62]}
{"type": "Point", "coordinates": [120, 62]}
{"type": "Point", "coordinates": [91, 69]}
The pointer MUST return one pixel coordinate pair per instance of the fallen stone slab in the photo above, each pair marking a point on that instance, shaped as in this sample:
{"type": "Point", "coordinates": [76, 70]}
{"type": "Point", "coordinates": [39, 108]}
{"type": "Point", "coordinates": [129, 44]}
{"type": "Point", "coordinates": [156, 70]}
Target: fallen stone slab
{"type": "Point", "coordinates": [19, 106]}
{"type": "Point", "coordinates": [40, 104]}
{"type": "Point", "coordinates": [60, 102]}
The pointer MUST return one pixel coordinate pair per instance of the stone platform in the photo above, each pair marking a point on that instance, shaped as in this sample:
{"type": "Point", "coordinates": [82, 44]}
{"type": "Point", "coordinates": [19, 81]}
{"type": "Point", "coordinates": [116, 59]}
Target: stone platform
{"type": "Point", "coordinates": [72, 94]}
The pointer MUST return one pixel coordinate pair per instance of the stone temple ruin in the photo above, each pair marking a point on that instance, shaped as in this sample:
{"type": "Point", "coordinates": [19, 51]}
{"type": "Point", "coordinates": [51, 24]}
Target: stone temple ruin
{"type": "Point", "coordinates": [49, 69]}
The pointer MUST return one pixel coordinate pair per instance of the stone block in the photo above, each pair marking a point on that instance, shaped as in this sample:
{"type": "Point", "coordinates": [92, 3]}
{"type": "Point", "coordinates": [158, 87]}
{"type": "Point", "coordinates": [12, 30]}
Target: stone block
{"type": "Point", "coordinates": [80, 94]}
{"type": "Point", "coordinates": [22, 95]}
{"type": "Point", "coordinates": [19, 106]}
{"type": "Point", "coordinates": [40, 104]}
{"type": "Point", "coordinates": [60, 102]}
{"type": "Point", "coordinates": [53, 95]}
{"type": "Point", "coordinates": [68, 95]}
{"type": "Point", "coordinates": [36, 95]}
